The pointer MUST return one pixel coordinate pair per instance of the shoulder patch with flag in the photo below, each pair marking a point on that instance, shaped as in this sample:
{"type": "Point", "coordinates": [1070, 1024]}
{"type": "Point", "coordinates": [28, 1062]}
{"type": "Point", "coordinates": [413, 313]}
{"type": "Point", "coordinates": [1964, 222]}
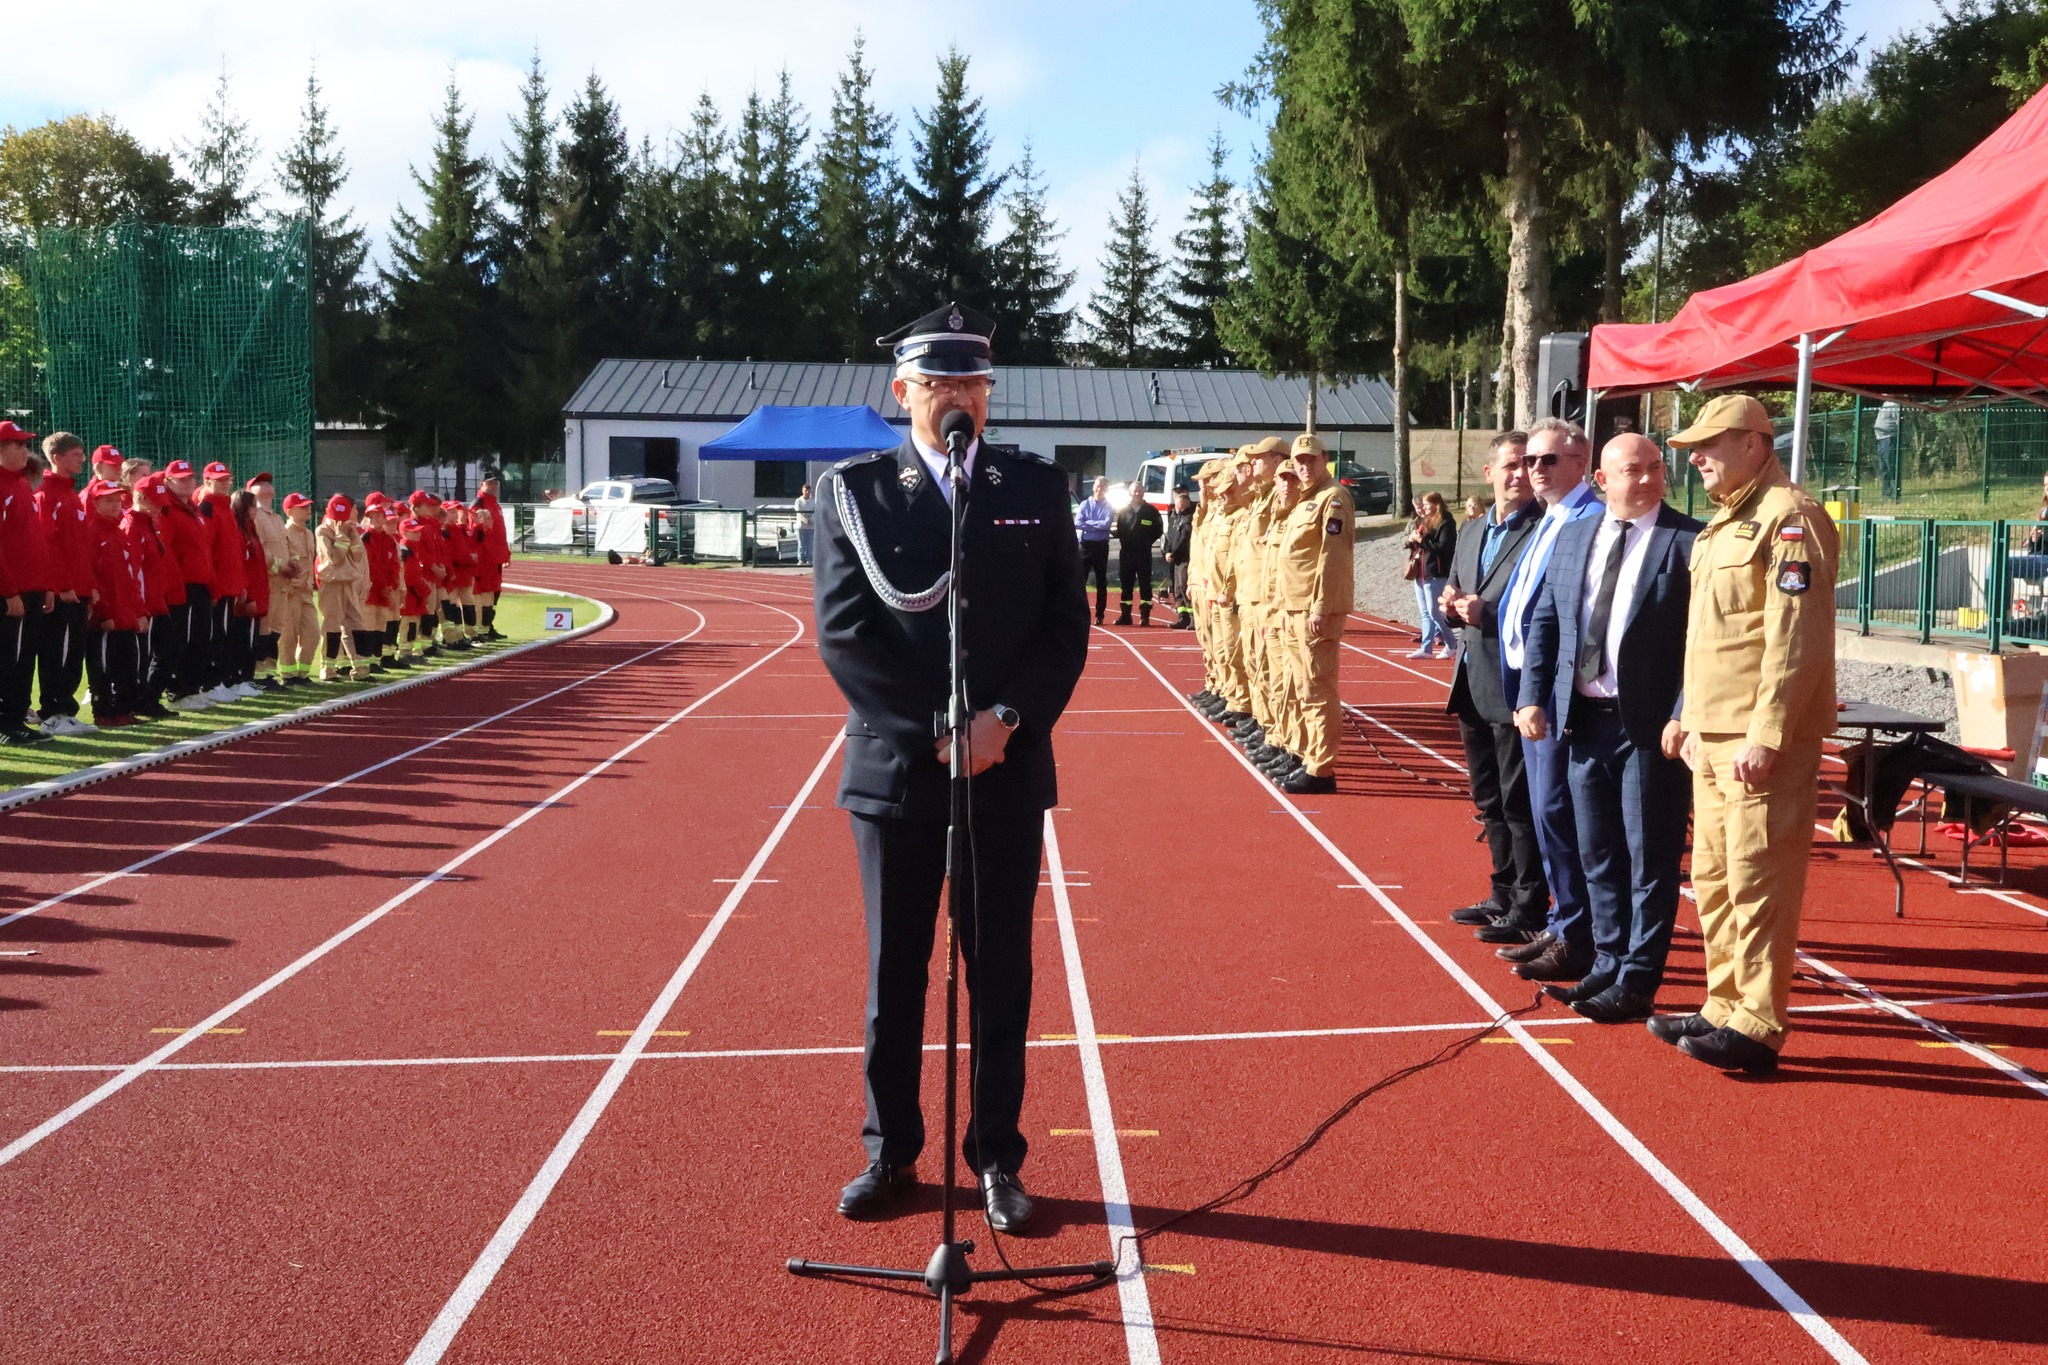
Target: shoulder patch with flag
{"type": "Point", "coordinates": [1792, 530]}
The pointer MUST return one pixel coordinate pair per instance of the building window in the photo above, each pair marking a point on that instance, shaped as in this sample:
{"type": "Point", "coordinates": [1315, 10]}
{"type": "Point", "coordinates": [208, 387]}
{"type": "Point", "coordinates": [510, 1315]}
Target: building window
{"type": "Point", "coordinates": [1083, 464]}
{"type": "Point", "coordinates": [645, 457]}
{"type": "Point", "coordinates": [779, 478]}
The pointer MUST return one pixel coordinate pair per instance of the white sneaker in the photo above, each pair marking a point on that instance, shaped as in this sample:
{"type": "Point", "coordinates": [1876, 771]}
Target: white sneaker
{"type": "Point", "coordinates": [196, 702]}
{"type": "Point", "coordinates": [247, 689]}
{"type": "Point", "coordinates": [220, 693]}
{"type": "Point", "coordinates": [74, 726]}
{"type": "Point", "coordinates": [54, 726]}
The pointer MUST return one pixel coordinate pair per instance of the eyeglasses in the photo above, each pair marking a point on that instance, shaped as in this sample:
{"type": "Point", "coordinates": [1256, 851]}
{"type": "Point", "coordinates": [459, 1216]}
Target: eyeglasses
{"type": "Point", "coordinates": [1547, 459]}
{"type": "Point", "coordinates": [976, 383]}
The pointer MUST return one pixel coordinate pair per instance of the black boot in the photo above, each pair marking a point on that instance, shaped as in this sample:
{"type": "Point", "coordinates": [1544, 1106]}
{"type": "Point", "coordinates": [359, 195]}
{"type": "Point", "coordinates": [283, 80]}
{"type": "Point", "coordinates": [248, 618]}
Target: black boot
{"type": "Point", "coordinates": [1144, 613]}
{"type": "Point", "coordinates": [1123, 614]}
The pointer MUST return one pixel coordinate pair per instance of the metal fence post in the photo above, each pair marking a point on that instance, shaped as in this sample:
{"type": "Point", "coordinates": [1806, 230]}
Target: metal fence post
{"type": "Point", "coordinates": [1987, 453]}
{"type": "Point", "coordinates": [1856, 446]}
{"type": "Point", "coordinates": [1930, 564]}
{"type": "Point", "coordinates": [1866, 554]}
{"type": "Point", "coordinates": [1998, 592]}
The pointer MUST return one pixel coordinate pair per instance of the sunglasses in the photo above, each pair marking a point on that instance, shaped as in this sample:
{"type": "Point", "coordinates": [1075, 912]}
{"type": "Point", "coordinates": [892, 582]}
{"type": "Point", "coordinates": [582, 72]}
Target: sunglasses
{"type": "Point", "coordinates": [1547, 459]}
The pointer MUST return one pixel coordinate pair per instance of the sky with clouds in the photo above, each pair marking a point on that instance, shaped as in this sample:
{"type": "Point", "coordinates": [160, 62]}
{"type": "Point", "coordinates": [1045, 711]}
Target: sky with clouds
{"type": "Point", "coordinates": [1094, 85]}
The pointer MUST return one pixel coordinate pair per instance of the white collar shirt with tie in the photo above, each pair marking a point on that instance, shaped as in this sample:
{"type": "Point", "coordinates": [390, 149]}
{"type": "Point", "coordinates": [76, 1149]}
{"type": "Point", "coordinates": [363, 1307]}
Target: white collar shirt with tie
{"type": "Point", "coordinates": [1528, 576]}
{"type": "Point", "coordinates": [937, 460]}
{"type": "Point", "coordinates": [1637, 529]}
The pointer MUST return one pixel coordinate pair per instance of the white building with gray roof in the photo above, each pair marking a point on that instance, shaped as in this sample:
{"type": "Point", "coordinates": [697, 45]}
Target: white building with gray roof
{"type": "Point", "coordinates": [648, 418]}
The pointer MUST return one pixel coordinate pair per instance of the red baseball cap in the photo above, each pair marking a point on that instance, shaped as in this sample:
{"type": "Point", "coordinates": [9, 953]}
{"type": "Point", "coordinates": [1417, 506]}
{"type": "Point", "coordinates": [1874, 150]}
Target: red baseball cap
{"type": "Point", "coordinates": [156, 487]}
{"type": "Point", "coordinates": [217, 470]}
{"type": "Point", "coordinates": [422, 498]}
{"type": "Point", "coordinates": [264, 477]}
{"type": "Point", "coordinates": [103, 488]}
{"type": "Point", "coordinates": [178, 469]}
{"type": "Point", "coordinates": [374, 498]}
{"type": "Point", "coordinates": [411, 524]}
{"type": "Point", "coordinates": [10, 433]}
{"type": "Point", "coordinates": [450, 505]}
{"type": "Point", "coordinates": [106, 455]}
{"type": "Point", "coordinates": [292, 500]}
{"type": "Point", "coordinates": [339, 506]}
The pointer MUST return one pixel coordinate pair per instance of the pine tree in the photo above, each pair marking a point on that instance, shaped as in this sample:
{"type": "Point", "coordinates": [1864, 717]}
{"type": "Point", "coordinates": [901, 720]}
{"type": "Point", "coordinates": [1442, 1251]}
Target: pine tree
{"type": "Point", "coordinates": [311, 174]}
{"type": "Point", "coordinates": [951, 196]}
{"type": "Point", "coordinates": [220, 163]}
{"type": "Point", "coordinates": [693, 219]}
{"type": "Point", "coordinates": [526, 178]}
{"type": "Point", "coordinates": [1124, 314]}
{"type": "Point", "coordinates": [536, 314]}
{"type": "Point", "coordinates": [1209, 260]}
{"type": "Point", "coordinates": [860, 287]}
{"type": "Point", "coordinates": [440, 390]}
{"type": "Point", "coordinates": [588, 221]}
{"type": "Point", "coordinates": [773, 229]}
{"type": "Point", "coordinates": [1031, 327]}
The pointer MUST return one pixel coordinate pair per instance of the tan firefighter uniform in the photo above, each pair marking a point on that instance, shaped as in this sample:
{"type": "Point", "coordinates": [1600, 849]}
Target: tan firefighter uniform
{"type": "Point", "coordinates": [1759, 669]}
{"type": "Point", "coordinates": [292, 613]}
{"type": "Point", "coordinates": [1253, 609]}
{"type": "Point", "coordinates": [1312, 579]}
{"type": "Point", "coordinates": [1286, 698]}
{"type": "Point", "coordinates": [339, 549]}
{"type": "Point", "coordinates": [1201, 553]}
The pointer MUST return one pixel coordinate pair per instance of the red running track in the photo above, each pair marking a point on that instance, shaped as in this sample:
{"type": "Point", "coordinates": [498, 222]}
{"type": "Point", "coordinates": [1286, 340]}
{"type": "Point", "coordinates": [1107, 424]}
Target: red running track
{"type": "Point", "coordinates": [540, 1043]}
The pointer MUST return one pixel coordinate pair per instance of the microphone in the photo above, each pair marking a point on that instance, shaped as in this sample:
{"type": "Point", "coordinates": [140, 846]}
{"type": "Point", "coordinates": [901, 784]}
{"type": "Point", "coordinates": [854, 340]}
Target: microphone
{"type": "Point", "coordinates": [957, 430]}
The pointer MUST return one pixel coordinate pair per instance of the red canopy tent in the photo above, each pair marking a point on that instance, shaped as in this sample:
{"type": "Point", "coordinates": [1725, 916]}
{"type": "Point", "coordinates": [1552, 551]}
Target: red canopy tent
{"type": "Point", "coordinates": [1942, 298]}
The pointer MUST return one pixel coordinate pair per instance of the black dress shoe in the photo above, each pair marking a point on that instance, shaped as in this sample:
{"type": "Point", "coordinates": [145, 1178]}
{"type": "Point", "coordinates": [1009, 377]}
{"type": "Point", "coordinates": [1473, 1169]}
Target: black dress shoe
{"type": "Point", "coordinates": [1556, 963]}
{"type": "Point", "coordinates": [1584, 990]}
{"type": "Point", "coordinates": [1730, 1051]}
{"type": "Point", "coordinates": [1279, 774]}
{"type": "Point", "coordinates": [1009, 1208]}
{"type": "Point", "coordinates": [1618, 1004]}
{"type": "Point", "coordinates": [1506, 929]}
{"type": "Point", "coordinates": [1523, 952]}
{"type": "Point", "coordinates": [1476, 914]}
{"type": "Point", "coordinates": [1265, 753]}
{"type": "Point", "coordinates": [1670, 1028]}
{"type": "Point", "coordinates": [1230, 720]}
{"type": "Point", "coordinates": [1199, 697]}
{"type": "Point", "coordinates": [875, 1189]}
{"type": "Point", "coordinates": [1306, 783]}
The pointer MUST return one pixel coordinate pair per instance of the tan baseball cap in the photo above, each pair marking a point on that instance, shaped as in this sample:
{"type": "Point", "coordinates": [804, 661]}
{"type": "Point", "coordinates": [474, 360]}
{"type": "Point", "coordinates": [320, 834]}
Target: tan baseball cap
{"type": "Point", "coordinates": [1272, 447]}
{"type": "Point", "coordinates": [1729, 412]}
{"type": "Point", "coordinates": [1308, 444]}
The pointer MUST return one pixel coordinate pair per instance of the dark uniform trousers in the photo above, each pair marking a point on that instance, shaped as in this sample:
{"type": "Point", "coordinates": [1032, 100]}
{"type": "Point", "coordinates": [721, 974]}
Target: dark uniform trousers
{"type": "Point", "coordinates": [113, 663]}
{"type": "Point", "coordinates": [1095, 565]}
{"type": "Point", "coordinates": [62, 661]}
{"type": "Point", "coordinates": [1500, 790]}
{"type": "Point", "coordinates": [21, 638]}
{"type": "Point", "coordinates": [903, 867]}
{"type": "Point", "coordinates": [195, 653]}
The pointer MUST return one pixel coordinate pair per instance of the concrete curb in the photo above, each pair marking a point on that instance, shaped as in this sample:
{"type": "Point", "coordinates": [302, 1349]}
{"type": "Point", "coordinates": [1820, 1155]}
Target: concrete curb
{"type": "Point", "coordinates": [150, 758]}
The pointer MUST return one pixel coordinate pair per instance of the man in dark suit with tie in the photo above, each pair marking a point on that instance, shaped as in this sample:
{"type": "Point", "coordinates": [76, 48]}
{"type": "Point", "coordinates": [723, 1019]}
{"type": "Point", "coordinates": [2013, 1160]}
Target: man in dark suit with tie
{"type": "Point", "coordinates": [883, 548]}
{"type": "Point", "coordinates": [1487, 551]}
{"type": "Point", "coordinates": [1606, 662]}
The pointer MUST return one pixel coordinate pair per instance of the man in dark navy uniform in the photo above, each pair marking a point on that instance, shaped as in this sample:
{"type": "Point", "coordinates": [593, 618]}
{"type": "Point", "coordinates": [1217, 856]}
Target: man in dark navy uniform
{"type": "Point", "coordinates": [883, 544]}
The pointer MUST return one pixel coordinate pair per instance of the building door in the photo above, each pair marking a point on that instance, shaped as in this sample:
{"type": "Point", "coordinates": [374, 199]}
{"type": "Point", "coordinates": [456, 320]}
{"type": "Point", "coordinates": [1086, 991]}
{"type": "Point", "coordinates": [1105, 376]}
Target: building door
{"type": "Point", "coordinates": [664, 458]}
{"type": "Point", "coordinates": [1083, 464]}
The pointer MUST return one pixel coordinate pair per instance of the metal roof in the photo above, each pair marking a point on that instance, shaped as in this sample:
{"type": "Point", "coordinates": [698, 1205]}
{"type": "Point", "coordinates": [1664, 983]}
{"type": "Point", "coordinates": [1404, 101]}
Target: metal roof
{"type": "Point", "coordinates": [1025, 396]}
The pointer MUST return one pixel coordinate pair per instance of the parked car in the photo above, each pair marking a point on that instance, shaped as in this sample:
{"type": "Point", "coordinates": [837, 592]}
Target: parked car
{"type": "Point", "coordinates": [1372, 490]}
{"type": "Point", "coordinates": [1163, 475]}
{"type": "Point", "coordinates": [612, 492]}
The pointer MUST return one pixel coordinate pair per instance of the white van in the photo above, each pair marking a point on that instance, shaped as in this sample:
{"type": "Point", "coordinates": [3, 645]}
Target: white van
{"type": "Point", "coordinates": [1163, 475]}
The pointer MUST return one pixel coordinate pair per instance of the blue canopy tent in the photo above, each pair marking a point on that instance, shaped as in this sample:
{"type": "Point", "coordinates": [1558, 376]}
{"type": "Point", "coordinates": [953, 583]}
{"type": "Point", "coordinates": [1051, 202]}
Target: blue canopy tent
{"type": "Point", "coordinates": [785, 433]}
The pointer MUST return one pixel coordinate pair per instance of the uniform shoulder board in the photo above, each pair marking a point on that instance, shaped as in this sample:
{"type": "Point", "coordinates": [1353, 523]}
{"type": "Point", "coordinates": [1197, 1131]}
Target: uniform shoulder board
{"type": "Point", "coordinates": [852, 460]}
{"type": "Point", "coordinates": [1030, 455]}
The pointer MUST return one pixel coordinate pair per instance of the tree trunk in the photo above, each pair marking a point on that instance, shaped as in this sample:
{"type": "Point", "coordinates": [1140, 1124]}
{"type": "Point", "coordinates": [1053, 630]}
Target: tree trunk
{"type": "Point", "coordinates": [1404, 478]}
{"type": "Point", "coordinates": [1308, 415]}
{"type": "Point", "coordinates": [1529, 317]}
{"type": "Point", "coordinates": [1611, 238]}
{"type": "Point", "coordinates": [1504, 386]}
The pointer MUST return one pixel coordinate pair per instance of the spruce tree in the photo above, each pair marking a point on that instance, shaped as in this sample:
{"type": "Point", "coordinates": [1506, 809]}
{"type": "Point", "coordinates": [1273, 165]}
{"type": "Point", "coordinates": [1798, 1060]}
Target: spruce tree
{"type": "Point", "coordinates": [694, 220]}
{"type": "Point", "coordinates": [1031, 326]}
{"type": "Point", "coordinates": [1209, 258]}
{"type": "Point", "coordinates": [311, 174]}
{"type": "Point", "coordinates": [588, 221]}
{"type": "Point", "coordinates": [860, 287]}
{"type": "Point", "coordinates": [951, 196]}
{"type": "Point", "coordinates": [536, 315]}
{"type": "Point", "coordinates": [772, 232]}
{"type": "Point", "coordinates": [220, 164]}
{"type": "Point", "coordinates": [440, 391]}
{"type": "Point", "coordinates": [526, 177]}
{"type": "Point", "coordinates": [1124, 314]}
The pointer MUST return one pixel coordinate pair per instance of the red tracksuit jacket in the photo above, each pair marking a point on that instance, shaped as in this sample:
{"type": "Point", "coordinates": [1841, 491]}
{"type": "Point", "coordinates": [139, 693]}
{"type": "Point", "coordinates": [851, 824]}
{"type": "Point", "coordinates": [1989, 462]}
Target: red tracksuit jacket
{"type": "Point", "coordinates": [65, 532]}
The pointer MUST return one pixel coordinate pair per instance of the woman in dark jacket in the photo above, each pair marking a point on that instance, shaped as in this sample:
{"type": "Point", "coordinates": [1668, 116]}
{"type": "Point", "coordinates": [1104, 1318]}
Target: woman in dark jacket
{"type": "Point", "coordinates": [1432, 539]}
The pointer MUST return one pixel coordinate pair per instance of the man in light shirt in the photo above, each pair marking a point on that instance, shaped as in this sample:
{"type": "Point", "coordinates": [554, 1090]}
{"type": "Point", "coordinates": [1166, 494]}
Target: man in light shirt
{"type": "Point", "coordinates": [1605, 664]}
{"type": "Point", "coordinates": [1093, 524]}
{"type": "Point", "coordinates": [1563, 948]}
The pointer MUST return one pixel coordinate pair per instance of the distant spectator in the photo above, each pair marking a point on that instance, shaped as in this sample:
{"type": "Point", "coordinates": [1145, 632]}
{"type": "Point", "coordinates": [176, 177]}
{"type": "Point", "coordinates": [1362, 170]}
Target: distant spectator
{"type": "Point", "coordinates": [1886, 429]}
{"type": "Point", "coordinates": [1174, 545]}
{"type": "Point", "coordinates": [1432, 539]}
{"type": "Point", "coordinates": [1475, 506]}
{"type": "Point", "coordinates": [1092, 522]}
{"type": "Point", "coordinates": [805, 507]}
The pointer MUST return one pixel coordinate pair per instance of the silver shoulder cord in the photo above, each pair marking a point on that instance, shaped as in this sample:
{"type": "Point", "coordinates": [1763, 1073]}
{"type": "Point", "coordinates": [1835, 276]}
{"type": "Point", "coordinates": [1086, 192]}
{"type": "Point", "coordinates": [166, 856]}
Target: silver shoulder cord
{"type": "Point", "coordinates": [857, 532]}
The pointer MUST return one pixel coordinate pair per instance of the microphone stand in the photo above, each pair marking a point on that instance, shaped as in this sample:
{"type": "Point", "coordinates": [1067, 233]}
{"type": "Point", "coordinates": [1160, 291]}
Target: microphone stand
{"type": "Point", "coordinates": [947, 1274]}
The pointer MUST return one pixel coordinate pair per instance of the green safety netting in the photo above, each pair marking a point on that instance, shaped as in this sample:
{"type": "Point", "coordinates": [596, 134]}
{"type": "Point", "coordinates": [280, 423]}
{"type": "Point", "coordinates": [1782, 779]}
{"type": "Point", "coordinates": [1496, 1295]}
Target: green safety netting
{"type": "Point", "coordinates": [168, 342]}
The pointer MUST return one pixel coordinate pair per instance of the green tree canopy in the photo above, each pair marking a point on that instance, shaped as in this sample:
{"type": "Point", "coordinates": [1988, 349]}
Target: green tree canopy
{"type": "Point", "coordinates": [85, 171]}
{"type": "Point", "coordinates": [952, 195]}
{"type": "Point", "coordinates": [1126, 314]}
{"type": "Point", "coordinates": [311, 175]}
{"type": "Point", "coordinates": [860, 287]}
{"type": "Point", "coordinates": [1031, 326]}
{"type": "Point", "coordinates": [1208, 261]}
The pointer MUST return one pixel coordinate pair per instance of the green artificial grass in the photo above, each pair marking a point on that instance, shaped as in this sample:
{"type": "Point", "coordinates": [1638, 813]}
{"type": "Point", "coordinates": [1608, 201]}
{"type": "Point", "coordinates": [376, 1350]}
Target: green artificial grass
{"type": "Point", "coordinates": [519, 616]}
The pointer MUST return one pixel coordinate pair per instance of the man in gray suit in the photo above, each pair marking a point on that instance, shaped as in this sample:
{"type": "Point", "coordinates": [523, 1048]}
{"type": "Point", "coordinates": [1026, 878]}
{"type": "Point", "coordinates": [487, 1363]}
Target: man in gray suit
{"type": "Point", "coordinates": [1488, 548]}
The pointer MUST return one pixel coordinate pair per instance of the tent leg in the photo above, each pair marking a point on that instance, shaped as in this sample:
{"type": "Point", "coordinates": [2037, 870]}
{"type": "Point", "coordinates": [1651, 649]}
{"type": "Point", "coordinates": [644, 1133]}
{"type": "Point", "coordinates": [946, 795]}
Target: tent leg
{"type": "Point", "coordinates": [1802, 408]}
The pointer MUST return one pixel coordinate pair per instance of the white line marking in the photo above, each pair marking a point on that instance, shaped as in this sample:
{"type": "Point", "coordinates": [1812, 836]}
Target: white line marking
{"type": "Point", "coordinates": [1985, 1055]}
{"type": "Point", "coordinates": [441, 1333]}
{"type": "Point", "coordinates": [1758, 1269]}
{"type": "Point", "coordinates": [1363, 715]}
{"type": "Point", "coordinates": [134, 869]}
{"type": "Point", "coordinates": [1381, 658]}
{"type": "Point", "coordinates": [1139, 1338]}
{"type": "Point", "coordinates": [130, 1074]}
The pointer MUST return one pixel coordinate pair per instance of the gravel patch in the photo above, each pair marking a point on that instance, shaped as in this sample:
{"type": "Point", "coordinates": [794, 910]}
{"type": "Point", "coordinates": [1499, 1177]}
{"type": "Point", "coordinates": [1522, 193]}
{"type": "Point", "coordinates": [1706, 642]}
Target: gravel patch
{"type": "Point", "coordinates": [1923, 691]}
{"type": "Point", "coordinates": [1376, 566]}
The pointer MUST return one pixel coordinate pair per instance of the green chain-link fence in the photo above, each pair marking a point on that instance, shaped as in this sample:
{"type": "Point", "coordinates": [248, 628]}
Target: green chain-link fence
{"type": "Point", "coordinates": [168, 342]}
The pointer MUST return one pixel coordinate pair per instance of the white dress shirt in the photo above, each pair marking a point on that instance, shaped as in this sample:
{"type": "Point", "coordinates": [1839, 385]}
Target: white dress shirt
{"type": "Point", "coordinates": [937, 460]}
{"type": "Point", "coordinates": [1637, 530]}
{"type": "Point", "coordinates": [1527, 581]}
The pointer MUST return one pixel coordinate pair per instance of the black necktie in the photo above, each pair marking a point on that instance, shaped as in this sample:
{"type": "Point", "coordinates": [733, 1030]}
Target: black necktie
{"type": "Point", "coordinates": [1593, 648]}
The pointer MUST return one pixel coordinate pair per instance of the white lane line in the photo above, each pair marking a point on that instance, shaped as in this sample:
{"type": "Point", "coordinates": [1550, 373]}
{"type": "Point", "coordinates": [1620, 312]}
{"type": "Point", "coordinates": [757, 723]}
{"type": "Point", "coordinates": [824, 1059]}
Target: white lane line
{"type": "Point", "coordinates": [128, 1075]}
{"type": "Point", "coordinates": [1375, 720]}
{"type": "Point", "coordinates": [1757, 1268]}
{"type": "Point", "coordinates": [1139, 1338]}
{"type": "Point", "coordinates": [1393, 663]}
{"type": "Point", "coordinates": [135, 868]}
{"type": "Point", "coordinates": [1985, 1055]}
{"type": "Point", "coordinates": [441, 1333]}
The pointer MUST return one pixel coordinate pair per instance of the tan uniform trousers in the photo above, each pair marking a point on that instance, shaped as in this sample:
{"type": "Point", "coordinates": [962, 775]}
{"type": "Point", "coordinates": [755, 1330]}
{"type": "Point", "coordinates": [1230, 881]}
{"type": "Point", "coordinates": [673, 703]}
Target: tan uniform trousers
{"type": "Point", "coordinates": [297, 625]}
{"type": "Point", "coordinates": [1321, 722]}
{"type": "Point", "coordinates": [1231, 684]}
{"type": "Point", "coordinates": [1258, 671]}
{"type": "Point", "coordinates": [341, 610]}
{"type": "Point", "coordinates": [1204, 636]}
{"type": "Point", "coordinates": [1282, 670]}
{"type": "Point", "coordinates": [1749, 855]}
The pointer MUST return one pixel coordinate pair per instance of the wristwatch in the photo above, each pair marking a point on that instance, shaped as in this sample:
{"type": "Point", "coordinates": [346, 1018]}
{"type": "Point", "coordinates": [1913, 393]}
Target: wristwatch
{"type": "Point", "coordinates": [1006, 717]}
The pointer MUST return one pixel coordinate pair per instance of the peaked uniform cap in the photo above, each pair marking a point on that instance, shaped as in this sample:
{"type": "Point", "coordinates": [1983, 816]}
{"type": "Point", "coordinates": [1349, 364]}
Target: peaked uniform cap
{"type": "Point", "coordinates": [1272, 445]}
{"type": "Point", "coordinates": [947, 341]}
{"type": "Point", "coordinates": [1309, 444]}
{"type": "Point", "coordinates": [338, 506]}
{"type": "Point", "coordinates": [1729, 412]}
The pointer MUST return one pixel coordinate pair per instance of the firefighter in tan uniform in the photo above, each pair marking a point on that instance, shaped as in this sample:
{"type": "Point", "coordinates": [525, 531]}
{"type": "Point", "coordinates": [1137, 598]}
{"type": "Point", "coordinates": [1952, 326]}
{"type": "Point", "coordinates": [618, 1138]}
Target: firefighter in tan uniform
{"type": "Point", "coordinates": [292, 613]}
{"type": "Point", "coordinates": [1759, 699]}
{"type": "Point", "coordinates": [1230, 700]}
{"type": "Point", "coordinates": [1312, 589]}
{"type": "Point", "coordinates": [1253, 611]}
{"type": "Point", "coordinates": [1200, 538]}
{"type": "Point", "coordinates": [338, 551]}
{"type": "Point", "coordinates": [1284, 737]}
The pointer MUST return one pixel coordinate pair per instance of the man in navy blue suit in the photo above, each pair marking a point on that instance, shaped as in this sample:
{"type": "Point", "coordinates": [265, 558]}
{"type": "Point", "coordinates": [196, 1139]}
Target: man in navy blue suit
{"type": "Point", "coordinates": [1605, 664]}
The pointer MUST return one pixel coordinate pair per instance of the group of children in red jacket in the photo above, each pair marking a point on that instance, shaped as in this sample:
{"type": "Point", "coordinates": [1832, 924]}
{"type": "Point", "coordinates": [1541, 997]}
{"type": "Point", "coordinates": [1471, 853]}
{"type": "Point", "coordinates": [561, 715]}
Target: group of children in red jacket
{"type": "Point", "coordinates": [174, 590]}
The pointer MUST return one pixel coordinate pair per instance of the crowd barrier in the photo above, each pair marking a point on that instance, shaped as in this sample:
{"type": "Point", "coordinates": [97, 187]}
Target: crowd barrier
{"type": "Point", "coordinates": [660, 535]}
{"type": "Point", "coordinates": [1981, 584]}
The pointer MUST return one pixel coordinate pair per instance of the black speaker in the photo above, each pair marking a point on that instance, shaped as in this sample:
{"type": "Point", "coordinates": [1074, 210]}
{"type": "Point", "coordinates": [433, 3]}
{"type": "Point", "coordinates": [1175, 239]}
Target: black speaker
{"type": "Point", "coordinates": [1561, 375]}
